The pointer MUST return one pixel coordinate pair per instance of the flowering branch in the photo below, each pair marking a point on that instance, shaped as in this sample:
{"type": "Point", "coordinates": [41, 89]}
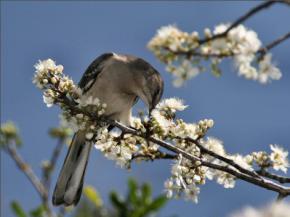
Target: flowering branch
{"type": "Point", "coordinates": [244, 174]}
{"type": "Point", "coordinates": [186, 53]}
{"type": "Point", "coordinates": [196, 157]}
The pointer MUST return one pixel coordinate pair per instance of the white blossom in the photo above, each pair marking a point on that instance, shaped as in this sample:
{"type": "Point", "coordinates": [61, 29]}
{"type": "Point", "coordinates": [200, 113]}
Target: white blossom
{"type": "Point", "coordinates": [242, 161]}
{"type": "Point", "coordinates": [45, 65]}
{"type": "Point", "coordinates": [89, 135]}
{"type": "Point", "coordinates": [225, 179]}
{"type": "Point", "coordinates": [121, 152]}
{"type": "Point", "coordinates": [267, 70]}
{"type": "Point", "coordinates": [183, 130]}
{"type": "Point", "coordinates": [173, 104]}
{"type": "Point", "coordinates": [48, 100]}
{"type": "Point", "coordinates": [279, 158]}
{"type": "Point", "coordinates": [163, 122]}
{"type": "Point", "coordinates": [215, 145]}
{"type": "Point", "coordinates": [170, 45]}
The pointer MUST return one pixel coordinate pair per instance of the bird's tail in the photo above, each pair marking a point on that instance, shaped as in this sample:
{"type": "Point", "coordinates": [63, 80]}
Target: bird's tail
{"type": "Point", "coordinates": [69, 185]}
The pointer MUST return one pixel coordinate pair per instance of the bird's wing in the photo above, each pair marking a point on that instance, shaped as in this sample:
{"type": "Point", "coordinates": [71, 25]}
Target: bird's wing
{"type": "Point", "coordinates": [93, 71]}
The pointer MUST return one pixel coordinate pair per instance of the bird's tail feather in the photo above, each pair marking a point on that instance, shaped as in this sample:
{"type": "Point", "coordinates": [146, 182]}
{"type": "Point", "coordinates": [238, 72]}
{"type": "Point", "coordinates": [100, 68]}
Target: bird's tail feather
{"type": "Point", "coordinates": [69, 185]}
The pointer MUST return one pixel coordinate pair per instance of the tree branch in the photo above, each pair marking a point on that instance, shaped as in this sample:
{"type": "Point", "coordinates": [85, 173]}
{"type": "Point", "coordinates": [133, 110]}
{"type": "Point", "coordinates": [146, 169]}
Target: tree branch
{"type": "Point", "coordinates": [267, 184]}
{"type": "Point", "coordinates": [27, 170]}
{"type": "Point", "coordinates": [222, 158]}
{"type": "Point", "coordinates": [262, 51]}
{"type": "Point", "coordinates": [47, 171]}
{"type": "Point", "coordinates": [241, 173]}
{"type": "Point", "coordinates": [161, 155]}
{"type": "Point", "coordinates": [242, 19]}
{"type": "Point", "coordinates": [281, 179]}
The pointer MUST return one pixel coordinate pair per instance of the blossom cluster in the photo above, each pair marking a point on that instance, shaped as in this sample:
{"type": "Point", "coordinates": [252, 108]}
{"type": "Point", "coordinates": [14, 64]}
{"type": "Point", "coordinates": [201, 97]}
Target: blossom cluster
{"type": "Point", "coordinates": [117, 147]}
{"type": "Point", "coordinates": [60, 89]}
{"type": "Point", "coordinates": [184, 54]}
{"type": "Point", "coordinates": [81, 112]}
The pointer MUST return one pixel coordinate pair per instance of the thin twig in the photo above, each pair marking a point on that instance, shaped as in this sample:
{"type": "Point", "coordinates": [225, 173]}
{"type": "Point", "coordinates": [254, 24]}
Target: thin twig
{"type": "Point", "coordinates": [32, 177]}
{"type": "Point", "coordinates": [242, 19]}
{"type": "Point", "coordinates": [262, 51]}
{"type": "Point", "coordinates": [27, 170]}
{"type": "Point", "coordinates": [47, 171]}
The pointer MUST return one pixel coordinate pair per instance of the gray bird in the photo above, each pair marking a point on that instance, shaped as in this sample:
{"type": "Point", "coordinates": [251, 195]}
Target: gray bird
{"type": "Point", "coordinates": [119, 81]}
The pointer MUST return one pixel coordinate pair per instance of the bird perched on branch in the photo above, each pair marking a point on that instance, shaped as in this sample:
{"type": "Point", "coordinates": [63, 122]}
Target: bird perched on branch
{"type": "Point", "coordinates": [119, 81]}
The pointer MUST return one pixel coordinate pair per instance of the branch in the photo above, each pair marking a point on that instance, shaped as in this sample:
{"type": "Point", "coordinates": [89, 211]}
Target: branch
{"type": "Point", "coordinates": [281, 179]}
{"type": "Point", "coordinates": [267, 184]}
{"type": "Point", "coordinates": [242, 19]}
{"type": "Point", "coordinates": [160, 155]}
{"type": "Point", "coordinates": [27, 170]}
{"type": "Point", "coordinates": [54, 157]}
{"type": "Point", "coordinates": [222, 158]}
{"type": "Point", "coordinates": [262, 51]}
{"type": "Point", "coordinates": [241, 173]}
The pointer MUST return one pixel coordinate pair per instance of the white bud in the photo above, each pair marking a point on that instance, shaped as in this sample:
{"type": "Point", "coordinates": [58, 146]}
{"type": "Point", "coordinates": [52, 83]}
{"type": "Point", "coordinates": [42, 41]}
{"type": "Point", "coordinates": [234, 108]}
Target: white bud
{"type": "Point", "coordinates": [89, 136]}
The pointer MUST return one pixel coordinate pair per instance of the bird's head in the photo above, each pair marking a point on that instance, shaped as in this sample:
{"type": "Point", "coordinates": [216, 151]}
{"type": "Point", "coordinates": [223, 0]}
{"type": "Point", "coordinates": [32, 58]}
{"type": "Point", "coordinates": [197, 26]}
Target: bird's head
{"type": "Point", "coordinates": [148, 82]}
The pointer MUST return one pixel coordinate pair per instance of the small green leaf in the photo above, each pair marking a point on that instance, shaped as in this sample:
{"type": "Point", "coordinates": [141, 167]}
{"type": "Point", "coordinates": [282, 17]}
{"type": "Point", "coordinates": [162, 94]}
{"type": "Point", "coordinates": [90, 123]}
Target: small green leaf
{"type": "Point", "coordinates": [60, 132]}
{"type": "Point", "coordinates": [17, 209]}
{"type": "Point", "coordinates": [215, 69]}
{"type": "Point", "coordinates": [116, 201]}
{"type": "Point", "coordinates": [157, 203]}
{"type": "Point", "coordinates": [38, 212]}
{"type": "Point", "coordinates": [146, 193]}
{"type": "Point", "coordinates": [133, 191]}
{"type": "Point", "coordinates": [91, 193]}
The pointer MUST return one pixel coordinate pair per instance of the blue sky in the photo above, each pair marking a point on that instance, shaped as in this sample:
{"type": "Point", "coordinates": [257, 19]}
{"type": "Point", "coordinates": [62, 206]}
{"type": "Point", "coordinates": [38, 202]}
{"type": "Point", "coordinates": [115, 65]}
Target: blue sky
{"type": "Point", "coordinates": [248, 116]}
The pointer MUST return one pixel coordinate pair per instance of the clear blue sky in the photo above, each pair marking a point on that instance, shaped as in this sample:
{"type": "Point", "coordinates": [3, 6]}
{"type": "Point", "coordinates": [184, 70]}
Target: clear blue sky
{"type": "Point", "coordinates": [248, 116]}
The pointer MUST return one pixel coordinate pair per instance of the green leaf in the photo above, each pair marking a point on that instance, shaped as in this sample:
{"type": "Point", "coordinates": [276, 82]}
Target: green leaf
{"type": "Point", "coordinates": [215, 69]}
{"type": "Point", "coordinates": [157, 203]}
{"type": "Point", "coordinates": [38, 212]}
{"type": "Point", "coordinates": [93, 196]}
{"type": "Point", "coordinates": [117, 201]}
{"type": "Point", "coordinates": [17, 209]}
{"type": "Point", "coordinates": [133, 192]}
{"type": "Point", "coordinates": [146, 193]}
{"type": "Point", "coordinates": [60, 132]}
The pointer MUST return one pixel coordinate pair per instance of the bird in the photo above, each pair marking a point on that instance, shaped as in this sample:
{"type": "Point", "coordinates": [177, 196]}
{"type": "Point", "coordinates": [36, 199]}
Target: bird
{"type": "Point", "coordinates": [119, 81]}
